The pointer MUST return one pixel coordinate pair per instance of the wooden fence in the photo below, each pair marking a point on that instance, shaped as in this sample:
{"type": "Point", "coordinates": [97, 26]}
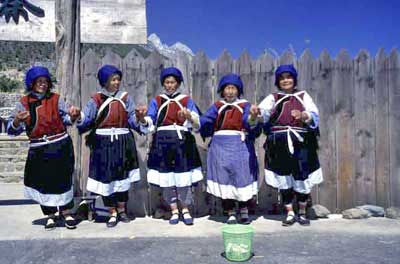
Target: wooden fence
{"type": "Point", "coordinates": [358, 99]}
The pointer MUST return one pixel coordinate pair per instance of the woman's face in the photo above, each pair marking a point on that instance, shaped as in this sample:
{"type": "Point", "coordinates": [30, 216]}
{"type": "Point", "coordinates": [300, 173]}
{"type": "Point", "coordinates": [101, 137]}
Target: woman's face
{"type": "Point", "coordinates": [114, 83]}
{"type": "Point", "coordinates": [170, 85]}
{"type": "Point", "coordinates": [41, 85]}
{"type": "Point", "coordinates": [286, 82]}
{"type": "Point", "coordinates": [230, 93]}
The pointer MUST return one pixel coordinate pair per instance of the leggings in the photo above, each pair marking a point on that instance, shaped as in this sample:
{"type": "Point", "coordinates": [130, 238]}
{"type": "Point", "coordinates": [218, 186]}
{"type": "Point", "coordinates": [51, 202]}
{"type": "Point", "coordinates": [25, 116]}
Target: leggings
{"type": "Point", "coordinates": [288, 195]}
{"type": "Point", "coordinates": [48, 210]}
{"type": "Point", "coordinates": [113, 199]}
{"type": "Point", "coordinates": [173, 194]}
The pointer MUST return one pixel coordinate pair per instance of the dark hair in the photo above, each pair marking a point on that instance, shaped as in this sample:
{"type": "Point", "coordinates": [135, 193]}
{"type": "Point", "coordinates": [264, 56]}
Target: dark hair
{"type": "Point", "coordinates": [280, 76]}
{"type": "Point", "coordinates": [176, 79]}
{"type": "Point", "coordinates": [221, 91]}
{"type": "Point", "coordinates": [111, 77]}
{"type": "Point", "coordinates": [49, 82]}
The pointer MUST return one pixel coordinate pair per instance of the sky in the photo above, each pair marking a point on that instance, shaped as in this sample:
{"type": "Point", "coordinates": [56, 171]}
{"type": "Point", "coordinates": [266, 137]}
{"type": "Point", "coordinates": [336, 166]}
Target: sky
{"type": "Point", "coordinates": [259, 25]}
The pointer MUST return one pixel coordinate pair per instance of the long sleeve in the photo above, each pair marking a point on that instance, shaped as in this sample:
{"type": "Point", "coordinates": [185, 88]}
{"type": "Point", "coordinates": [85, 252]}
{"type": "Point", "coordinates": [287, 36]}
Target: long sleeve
{"type": "Point", "coordinates": [254, 131]}
{"type": "Point", "coordinates": [150, 118]}
{"type": "Point", "coordinates": [15, 131]}
{"type": "Point", "coordinates": [207, 121]}
{"type": "Point", "coordinates": [311, 110]}
{"type": "Point", "coordinates": [266, 107]}
{"type": "Point", "coordinates": [132, 120]}
{"type": "Point", "coordinates": [63, 108]}
{"type": "Point", "coordinates": [88, 116]}
{"type": "Point", "coordinates": [191, 106]}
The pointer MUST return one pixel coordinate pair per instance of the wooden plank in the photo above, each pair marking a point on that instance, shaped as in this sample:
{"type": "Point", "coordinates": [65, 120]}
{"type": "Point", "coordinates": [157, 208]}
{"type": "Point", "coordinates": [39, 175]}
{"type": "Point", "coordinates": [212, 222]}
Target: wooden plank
{"type": "Point", "coordinates": [223, 66]}
{"type": "Point", "coordinates": [134, 70]}
{"type": "Point", "coordinates": [344, 90]}
{"type": "Point", "coordinates": [102, 21]}
{"type": "Point", "coordinates": [246, 69]}
{"type": "Point", "coordinates": [182, 62]}
{"type": "Point", "coordinates": [324, 98]}
{"type": "Point", "coordinates": [265, 76]}
{"type": "Point", "coordinates": [202, 81]}
{"type": "Point", "coordinates": [89, 64]}
{"type": "Point", "coordinates": [382, 147]}
{"type": "Point", "coordinates": [133, 67]}
{"type": "Point", "coordinates": [287, 58]}
{"type": "Point", "coordinates": [265, 79]}
{"type": "Point", "coordinates": [305, 71]}
{"type": "Point", "coordinates": [364, 104]}
{"type": "Point", "coordinates": [202, 87]}
{"type": "Point", "coordinates": [394, 126]}
{"type": "Point", "coordinates": [154, 63]}
{"type": "Point", "coordinates": [113, 58]}
{"type": "Point", "coordinates": [121, 22]}
{"type": "Point", "coordinates": [36, 29]}
{"type": "Point", "coordinates": [68, 68]}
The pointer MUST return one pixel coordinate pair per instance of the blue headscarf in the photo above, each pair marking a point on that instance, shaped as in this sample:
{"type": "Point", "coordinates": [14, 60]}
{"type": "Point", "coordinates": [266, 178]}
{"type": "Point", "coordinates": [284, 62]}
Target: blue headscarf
{"type": "Point", "coordinates": [35, 72]}
{"type": "Point", "coordinates": [171, 71]}
{"type": "Point", "coordinates": [105, 73]}
{"type": "Point", "coordinates": [233, 79]}
{"type": "Point", "coordinates": [285, 68]}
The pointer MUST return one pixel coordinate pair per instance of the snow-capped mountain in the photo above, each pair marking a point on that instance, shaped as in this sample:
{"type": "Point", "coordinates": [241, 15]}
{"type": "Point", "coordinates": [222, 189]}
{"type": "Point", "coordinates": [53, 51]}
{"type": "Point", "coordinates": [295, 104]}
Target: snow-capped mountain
{"type": "Point", "coordinates": [154, 43]}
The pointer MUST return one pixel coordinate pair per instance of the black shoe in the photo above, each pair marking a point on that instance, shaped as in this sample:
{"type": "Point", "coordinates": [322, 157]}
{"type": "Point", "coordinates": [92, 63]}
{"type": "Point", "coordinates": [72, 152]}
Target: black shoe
{"type": "Point", "coordinates": [112, 221]}
{"type": "Point", "coordinates": [50, 224]}
{"type": "Point", "coordinates": [302, 220]}
{"type": "Point", "coordinates": [289, 222]}
{"type": "Point", "coordinates": [69, 221]}
{"type": "Point", "coordinates": [123, 217]}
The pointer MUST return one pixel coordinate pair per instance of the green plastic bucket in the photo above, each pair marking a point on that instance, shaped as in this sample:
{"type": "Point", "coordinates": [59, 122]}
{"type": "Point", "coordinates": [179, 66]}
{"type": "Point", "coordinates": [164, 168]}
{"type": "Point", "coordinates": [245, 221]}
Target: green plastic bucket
{"type": "Point", "coordinates": [238, 242]}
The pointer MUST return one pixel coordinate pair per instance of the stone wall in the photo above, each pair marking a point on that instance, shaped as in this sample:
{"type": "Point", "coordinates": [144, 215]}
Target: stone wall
{"type": "Point", "coordinates": [7, 105]}
{"type": "Point", "coordinates": [13, 153]}
{"type": "Point", "coordinates": [9, 99]}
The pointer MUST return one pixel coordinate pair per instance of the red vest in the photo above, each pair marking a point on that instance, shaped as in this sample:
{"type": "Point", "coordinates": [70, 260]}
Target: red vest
{"type": "Point", "coordinates": [44, 117]}
{"type": "Point", "coordinates": [168, 115]}
{"type": "Point", "coordinates": [230, 118]}
{"type": "Point", "coordinates": [114, 114]}
{"type": "Point", "coordinates": [281, 114]}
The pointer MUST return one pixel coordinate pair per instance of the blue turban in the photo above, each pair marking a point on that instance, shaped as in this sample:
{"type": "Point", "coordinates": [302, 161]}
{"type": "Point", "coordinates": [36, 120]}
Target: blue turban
{"type": "Point", "coordinates": [35, 72]}
{"type": "Point", "coordinates": [171, 71]}
{"type": "Point", "coordinates": [285, 68]}
{"type": "Point", "coordinates": [105, 73]}
{"type": "Point", "coordinates": [233, 79]}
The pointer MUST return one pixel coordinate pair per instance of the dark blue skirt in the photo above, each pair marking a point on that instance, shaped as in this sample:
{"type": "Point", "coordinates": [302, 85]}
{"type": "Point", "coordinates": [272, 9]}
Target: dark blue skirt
{"type": "Point", "coordinates": [300, 170]}
{"type": "Point", "coordinates": [173, 161]}
{"type": "Point", "coordinates": [48, 173]}
{"type": "Point", "coordinates": [113, 164]}
{"type": "Point", "coordinates": [168, 153]}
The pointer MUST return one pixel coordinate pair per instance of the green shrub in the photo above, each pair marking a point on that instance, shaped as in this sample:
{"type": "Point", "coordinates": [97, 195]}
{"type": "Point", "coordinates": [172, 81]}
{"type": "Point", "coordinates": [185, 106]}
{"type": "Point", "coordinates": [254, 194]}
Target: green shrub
{"type": "Point", "coordinates": [9, 85]}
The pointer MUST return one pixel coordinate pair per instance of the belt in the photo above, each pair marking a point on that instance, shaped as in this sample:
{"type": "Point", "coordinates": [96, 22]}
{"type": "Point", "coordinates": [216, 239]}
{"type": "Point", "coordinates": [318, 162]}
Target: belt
{"type": "Point", "coordinates": [175, 127]}
{"type": "Point", "coordinates": [290, 130]}
{"type": "Point", "coordinates": [35, 142]}
{"type": "Point", "coordinates": [112, 132]}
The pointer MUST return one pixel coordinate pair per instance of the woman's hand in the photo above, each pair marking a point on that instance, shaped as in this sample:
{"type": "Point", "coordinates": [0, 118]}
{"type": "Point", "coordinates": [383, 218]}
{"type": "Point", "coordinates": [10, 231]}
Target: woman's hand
{"type": "Point", "coordinates": [140, 113]}
{"type": "Point", "coordinates": [21, 116]}
{"type": "Point", "coordinates": [185, 114]}
{"type": "Point", "coordinates": [74, 112]}
{"type": "Point", "coordinates": [303, 116]}
{"type": "Point", "coordinates": [254, 112]}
